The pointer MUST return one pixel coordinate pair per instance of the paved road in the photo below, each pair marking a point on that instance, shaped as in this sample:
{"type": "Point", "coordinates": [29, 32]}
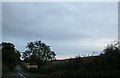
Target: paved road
{"type": "Point", "coordinates": [18, 73]}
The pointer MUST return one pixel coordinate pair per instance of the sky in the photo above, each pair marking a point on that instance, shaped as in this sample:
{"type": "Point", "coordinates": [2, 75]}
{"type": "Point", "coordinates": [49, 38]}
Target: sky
{"type": "Point", "coordinates": [69, 28]}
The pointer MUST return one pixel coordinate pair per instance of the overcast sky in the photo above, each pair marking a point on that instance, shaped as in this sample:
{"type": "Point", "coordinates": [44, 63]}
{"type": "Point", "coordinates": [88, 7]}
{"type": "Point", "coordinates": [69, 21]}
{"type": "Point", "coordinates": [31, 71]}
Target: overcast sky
{"type": "Point", "coordinates": [76, 28]}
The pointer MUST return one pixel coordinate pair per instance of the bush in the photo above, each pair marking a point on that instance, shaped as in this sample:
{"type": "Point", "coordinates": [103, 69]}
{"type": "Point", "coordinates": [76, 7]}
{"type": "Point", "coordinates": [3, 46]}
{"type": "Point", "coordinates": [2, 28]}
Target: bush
{"type": "Point", "coordinates": [5, 69]}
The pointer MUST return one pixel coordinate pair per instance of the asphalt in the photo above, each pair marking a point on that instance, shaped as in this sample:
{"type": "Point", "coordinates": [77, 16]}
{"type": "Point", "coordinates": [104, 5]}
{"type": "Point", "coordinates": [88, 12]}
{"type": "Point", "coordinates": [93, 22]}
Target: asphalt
{"type": "Point", "coordinates": [19, 73]}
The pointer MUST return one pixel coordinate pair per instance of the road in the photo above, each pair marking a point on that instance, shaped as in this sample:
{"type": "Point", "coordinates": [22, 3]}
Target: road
{"type": "Point", "coordinates": [18, 73]}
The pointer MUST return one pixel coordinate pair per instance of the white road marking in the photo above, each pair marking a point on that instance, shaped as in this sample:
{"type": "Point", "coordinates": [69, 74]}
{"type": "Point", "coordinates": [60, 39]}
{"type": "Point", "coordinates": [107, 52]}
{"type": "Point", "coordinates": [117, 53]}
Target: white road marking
{"type": "Point", "coordinates": [20, 73]}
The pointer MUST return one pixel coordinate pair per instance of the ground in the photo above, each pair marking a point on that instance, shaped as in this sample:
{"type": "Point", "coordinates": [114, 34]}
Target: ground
{"type": "Point", "coordinates": [19, 73]}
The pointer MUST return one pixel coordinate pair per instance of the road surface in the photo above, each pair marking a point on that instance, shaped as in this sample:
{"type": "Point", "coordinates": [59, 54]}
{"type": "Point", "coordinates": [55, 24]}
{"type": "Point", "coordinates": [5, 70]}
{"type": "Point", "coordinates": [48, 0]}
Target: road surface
{"type": "Point", "coordinates": [18, 73]}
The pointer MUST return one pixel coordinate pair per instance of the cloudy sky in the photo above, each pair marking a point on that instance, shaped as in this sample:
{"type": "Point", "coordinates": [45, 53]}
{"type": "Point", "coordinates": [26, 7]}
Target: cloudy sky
{"type": "Point", "coordinates": [70, 28]}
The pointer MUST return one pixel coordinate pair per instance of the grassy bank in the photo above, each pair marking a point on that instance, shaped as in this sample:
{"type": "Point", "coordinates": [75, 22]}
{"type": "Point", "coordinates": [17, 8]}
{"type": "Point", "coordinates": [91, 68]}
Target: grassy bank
{"type": "Point", "coordinates": [105, 65]}
{"type": "Point", "coordinates": [77, 67]}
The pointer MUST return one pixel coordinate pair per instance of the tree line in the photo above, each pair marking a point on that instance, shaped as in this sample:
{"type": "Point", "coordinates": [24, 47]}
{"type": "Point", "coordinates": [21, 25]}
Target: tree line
{"type": "Point", "coordinates": [105, 64]}
{"type": "Point", "coordinates": [37, 53]}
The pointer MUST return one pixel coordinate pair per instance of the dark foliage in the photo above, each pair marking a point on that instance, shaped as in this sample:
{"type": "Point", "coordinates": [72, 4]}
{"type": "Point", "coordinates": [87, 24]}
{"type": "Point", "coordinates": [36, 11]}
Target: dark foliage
{"type": "Point", "coordinates": [10, 56]}
{"type": "Point", "coordinates": [38, 53]}
{"type": "Point", "coordinates": [107, 65]}
{"type": "Point", "coordinates": [110, 59]}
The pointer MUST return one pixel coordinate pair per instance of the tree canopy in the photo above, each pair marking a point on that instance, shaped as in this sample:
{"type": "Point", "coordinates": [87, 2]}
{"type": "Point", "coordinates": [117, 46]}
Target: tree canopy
{"type": "Point", "coordinates": [111, 56]}
{"type": "Point", "coordinates": [38, 53]}
{"type": "Point", "coordinates": [10, 55]}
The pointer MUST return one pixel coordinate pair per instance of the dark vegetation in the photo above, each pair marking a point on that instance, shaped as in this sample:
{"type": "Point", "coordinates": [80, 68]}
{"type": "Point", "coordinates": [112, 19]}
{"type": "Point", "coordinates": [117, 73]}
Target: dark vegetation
{"type": "Point", "coordinates": [105, 65]}
{"type": "Point", "coordinates": [38, 53]}
{"type": "Point", "coordinates": [10, 57]}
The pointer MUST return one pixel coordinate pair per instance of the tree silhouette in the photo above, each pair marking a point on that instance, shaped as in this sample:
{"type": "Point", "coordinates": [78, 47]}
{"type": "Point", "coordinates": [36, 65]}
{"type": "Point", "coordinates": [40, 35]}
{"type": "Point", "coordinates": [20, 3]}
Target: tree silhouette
{"type": "Point", "coordinates": [10, 56]}
{"type": "Point", "coordinates": [111, 56]}
{"type": "Point", "coordinates": [38, 53]}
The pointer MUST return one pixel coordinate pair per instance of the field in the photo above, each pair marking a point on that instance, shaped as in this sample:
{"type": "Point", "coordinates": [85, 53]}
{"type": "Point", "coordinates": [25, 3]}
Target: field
{"type": "Point", "coordinates": [87, 67]}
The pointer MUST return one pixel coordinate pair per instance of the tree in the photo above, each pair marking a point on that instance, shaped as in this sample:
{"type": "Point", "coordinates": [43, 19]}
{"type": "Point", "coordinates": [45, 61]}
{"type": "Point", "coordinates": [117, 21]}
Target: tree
{"type": "Point", "coordinates": [38, 53]}
{"type": "Point", "coordinates": [10, 56]}
{"type": "Point", "coordinates": [111, 56]}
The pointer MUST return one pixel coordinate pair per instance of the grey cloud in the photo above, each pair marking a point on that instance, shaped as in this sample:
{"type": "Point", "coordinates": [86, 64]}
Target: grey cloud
{"type": "Point", "coordinates": [59, 24]}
